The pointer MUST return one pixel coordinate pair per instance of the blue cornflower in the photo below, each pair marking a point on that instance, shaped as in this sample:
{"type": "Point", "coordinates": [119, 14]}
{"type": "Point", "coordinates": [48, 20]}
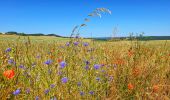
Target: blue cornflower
{"type": "Point", "coordinates": [91, 92]}
{"type": "Point", "coordinates": [87, 67]}
{"type": "Point", "coordinates": [17, 92]}
{"type": "Point", "coordinates": [87, 62]}
{"type": "Point", "coordinates": [48, 62]}
{"type": "Point", "coordinates": [76, 43]}
{"type": "Point", "coordinates": [96, 66]}
{"type": "Point", "coordinates": [11, 61]}
{"type": "Point", "coordinates": [98, 78]}
{"type": "Point", "coordinates": [21, 66]}
{"type": "Point", "coordinates": [81, 93]}
{"type": "Point", "coordinates": [64, 80]}
{"type": "Point", "coordinates": [52, 85]}
{"type": "Point", "coordinates": [36, 98]}
{"type": "Point", "coordinates": [68, 44]}
{"type": "Point", "coordinates": [8, 50]}
{"type": "Point", "coordinates": [79, 84]}
{"type": "Point", "coordinates": [62, 64]}
{"type": "Point", "coordinates": [46, 91]}
{"type": "Point", "coordinates": [85, 44]}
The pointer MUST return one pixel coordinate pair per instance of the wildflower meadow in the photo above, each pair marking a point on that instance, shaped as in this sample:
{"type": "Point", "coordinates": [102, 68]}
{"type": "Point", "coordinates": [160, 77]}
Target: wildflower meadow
{"type": "Point", "coordinates": [84, 69]}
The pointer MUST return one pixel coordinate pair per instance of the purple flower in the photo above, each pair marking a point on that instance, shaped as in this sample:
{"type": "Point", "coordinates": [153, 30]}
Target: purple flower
{"type": "Point", "coordinates": [85, 44]}
{"type": "Point", "coordinates": [38, 56]}
{"type": "Point", "coordinates": [52, 85]}
{"type": "Point", "coordinates": [17, 92]}
{"type": "Point", "coordinates": [98, 79]}
{"type": "Point", "coordinates": [111, 78]}
{"type": "Point", "coordinates": [91, 92]}
{"type": "Point", "coordinates": [46, 91]}
{"type": "Point", "coordinates": [87, 67]}
{"type": "Point", "coordinates": [76, 43]}
{"type": "Point", "coordinates": [96, 66]}
{"type": "Point", "coordinates": [64, 80]}
{"type": "Point", "coordinates": [68, 44]}
{"type": "Point", "coordinates": [62, 64]}
{"type": "Point", "coordinates": [11, 61]}
{"type": "Point", "coordinates": [48, 62]}
{"type": "Point", "coordinates": [87, 62]}
{"type": "Point", "coordinates": [8, 50]}
{"type": "Point", "coordinates": [79, 84]}
{"type": "Point", "coordinates": [28, 91]}
{"type": "Point", "coordinates": [21, 66]}
{"type": "Point", "coordinates": [103, 71]}
{"type": "Point", "coordinates": [36, 98]}
{"type": "Point", "coordinates": [81, 93]}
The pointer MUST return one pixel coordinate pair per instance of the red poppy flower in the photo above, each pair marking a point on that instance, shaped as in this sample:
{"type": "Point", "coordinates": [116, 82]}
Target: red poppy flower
{"type": "Point", "coordinates": [130, 86]}
{"type": "Point", "coordinates": [9, 74]}
{"type": "Point", "coordinates": [59, 60]}
{"type": "Point", "coordinates": [155, 88]}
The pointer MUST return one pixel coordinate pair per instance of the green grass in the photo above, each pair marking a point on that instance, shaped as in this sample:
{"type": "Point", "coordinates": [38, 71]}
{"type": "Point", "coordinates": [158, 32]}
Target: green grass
{"type": "Point", "coordinates": [32, 38]}
{"type": "Point", "coordinates": [129, 69]}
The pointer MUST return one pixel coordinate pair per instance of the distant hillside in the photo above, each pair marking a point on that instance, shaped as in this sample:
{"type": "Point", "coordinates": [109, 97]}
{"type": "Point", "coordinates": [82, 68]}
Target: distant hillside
{"type": "Point", "coordinates": [25, 34]}
{"type": "Point", "coordinates": [140, 38]}
{"type": "Point", "coordinates": [159, 37]}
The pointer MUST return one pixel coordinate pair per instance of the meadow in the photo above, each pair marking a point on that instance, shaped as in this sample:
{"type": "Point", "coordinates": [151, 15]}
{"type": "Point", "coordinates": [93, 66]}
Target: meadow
{"type": "Point", "coordinates": [51, 68]}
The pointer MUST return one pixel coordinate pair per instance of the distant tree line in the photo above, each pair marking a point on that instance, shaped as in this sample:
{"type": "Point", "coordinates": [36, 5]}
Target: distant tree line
{"type": "Point", "coordinates": [144, 38]}
{"type": "Point", "coordinates": [24, 34]}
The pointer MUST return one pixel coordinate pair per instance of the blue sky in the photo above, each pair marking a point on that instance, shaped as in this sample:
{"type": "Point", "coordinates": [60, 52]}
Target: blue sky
{"type": "Point", "coordinates": [60, 16]}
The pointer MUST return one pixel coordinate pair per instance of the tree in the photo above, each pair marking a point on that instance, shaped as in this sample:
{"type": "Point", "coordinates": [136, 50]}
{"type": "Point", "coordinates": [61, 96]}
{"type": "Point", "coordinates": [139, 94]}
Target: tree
{"type": "Point", "coordinates": [22, 34]}
{"type": "Point", "coordinates": [11, 33]}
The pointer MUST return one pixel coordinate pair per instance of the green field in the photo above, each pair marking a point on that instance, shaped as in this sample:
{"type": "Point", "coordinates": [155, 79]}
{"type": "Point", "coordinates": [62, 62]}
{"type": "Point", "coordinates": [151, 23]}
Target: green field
{"type": "Point", "coordinates": [46, 68]}
{"type": "Point", "coordinates": [32, 38]}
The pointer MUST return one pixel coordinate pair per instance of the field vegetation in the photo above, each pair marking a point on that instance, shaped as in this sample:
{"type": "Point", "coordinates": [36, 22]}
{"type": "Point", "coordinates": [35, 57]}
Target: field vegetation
{"type": "Point", "coordinates": [52, 68]}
